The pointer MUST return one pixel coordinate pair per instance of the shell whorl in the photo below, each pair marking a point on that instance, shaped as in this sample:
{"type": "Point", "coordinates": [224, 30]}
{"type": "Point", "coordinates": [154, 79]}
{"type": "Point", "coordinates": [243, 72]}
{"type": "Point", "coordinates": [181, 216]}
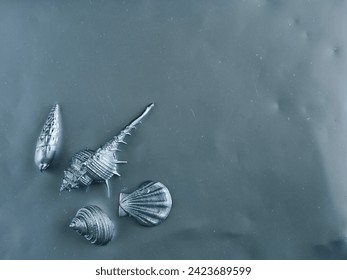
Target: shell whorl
{"type": "Point", "coordinates": [92, 223]}
{"type": "Point", "coordinates": [150, 204]}
{"type": "Point", "coordinates": [49, 139]}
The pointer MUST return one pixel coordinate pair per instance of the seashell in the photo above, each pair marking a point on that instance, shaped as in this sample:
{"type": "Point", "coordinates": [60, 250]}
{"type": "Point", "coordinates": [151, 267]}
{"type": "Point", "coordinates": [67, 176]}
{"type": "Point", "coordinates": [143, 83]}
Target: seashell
{"type": "Point", "coordinates": [92, 223]}
{"type": "Point", "coordinates": [48, 141]}
{"type": "Point", "coordinates": [88, 166]}
{"type": "Point", "coordinates": [150, 204]}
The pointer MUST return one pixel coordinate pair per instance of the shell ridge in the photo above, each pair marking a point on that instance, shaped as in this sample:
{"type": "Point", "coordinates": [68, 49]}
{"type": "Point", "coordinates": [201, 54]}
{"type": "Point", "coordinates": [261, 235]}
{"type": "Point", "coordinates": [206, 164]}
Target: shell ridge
{"type": "Point", "coordinates": [138, 198]}
{"type": "Point", "coordinates": [146, 190]}
{"type": "Point", "coordinates": [148, 216]}
{"type": "Point", "coordinates": [148, 222]}
{"type": "Point", "coordinates": [97, 170]}
{"type": "Point", "coordinates": [140, 195]}
{"type": "Point", "coordinates": [151, 211]}
{"type": "Point", "coordinates": [152, 204]}
{"type": "Point", "coordinates": [147, 196]}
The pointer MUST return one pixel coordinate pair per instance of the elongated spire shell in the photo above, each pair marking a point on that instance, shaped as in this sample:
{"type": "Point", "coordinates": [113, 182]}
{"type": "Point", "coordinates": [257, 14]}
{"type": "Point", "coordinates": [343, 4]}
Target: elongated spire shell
{"type": "Point", "coordinates": [49, 139]}
{"type": "Point", "coordinates": [88, 166]}
{"type": "Point", "coordinates": [113, 144]}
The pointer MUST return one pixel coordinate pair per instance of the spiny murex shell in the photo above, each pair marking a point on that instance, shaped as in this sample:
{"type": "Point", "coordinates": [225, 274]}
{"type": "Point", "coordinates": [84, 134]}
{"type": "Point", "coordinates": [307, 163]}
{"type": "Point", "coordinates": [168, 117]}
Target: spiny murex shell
{"type": "Point", "coordinates": [150, 204]}
{"type": "Point", "coordinates": [49, 139]}
{"type": "Point", "coordinates": [89, 167]}
{"type": "Point", "coordinates": [92, 223]}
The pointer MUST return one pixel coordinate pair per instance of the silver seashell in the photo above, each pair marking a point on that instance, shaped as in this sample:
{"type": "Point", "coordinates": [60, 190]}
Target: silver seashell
{"type": "Point", "coordinates": [150, 204]}
{"type": "Point", "coordinates": [49, 139]}
{"type": "Point", "coordinates": [88, 166]}
{"type": "Point", "coordinates": [92, 223]}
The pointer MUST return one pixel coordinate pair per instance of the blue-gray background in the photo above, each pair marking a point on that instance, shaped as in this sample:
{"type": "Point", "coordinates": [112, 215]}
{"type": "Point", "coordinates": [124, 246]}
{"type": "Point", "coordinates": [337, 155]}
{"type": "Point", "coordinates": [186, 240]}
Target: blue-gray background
{"type": "Point", "coordinates": [249, 131]}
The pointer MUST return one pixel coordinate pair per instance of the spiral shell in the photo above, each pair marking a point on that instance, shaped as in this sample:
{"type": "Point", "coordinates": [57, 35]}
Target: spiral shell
{"type": "Point", "coordinates": [150, 204]}
{"type": "Point", "coordinates": [88, 166]}
{"type": "Point", "coordinates": [92, 223]}
{"type": "Point", "coordinates": [48, 141]}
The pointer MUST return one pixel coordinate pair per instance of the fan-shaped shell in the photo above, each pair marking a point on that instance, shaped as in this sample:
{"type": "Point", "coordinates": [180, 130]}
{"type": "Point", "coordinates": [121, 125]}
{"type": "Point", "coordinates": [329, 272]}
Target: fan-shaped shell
{"type": "Point", "coordinates": [92, 223]}
{"type": "Point", "coordinates": [49, 139]}
{"type": "Point", "coordinates": [150, 204]}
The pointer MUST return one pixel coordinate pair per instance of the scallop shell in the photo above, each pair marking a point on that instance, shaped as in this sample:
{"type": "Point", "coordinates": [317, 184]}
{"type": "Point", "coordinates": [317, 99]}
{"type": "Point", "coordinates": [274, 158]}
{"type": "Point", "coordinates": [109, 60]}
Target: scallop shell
{"type": "Point", "coordinates": [88, 166]}
{"type": "Point", "coordinates": [150, 204]}
{"type": "Point", "coordinates": [92, 223]}
{"type": "Point", "coordinates": [48, 141]}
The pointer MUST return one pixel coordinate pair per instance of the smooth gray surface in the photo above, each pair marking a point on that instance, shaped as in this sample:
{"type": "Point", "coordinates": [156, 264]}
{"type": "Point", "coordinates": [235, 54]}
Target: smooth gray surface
{"type": "Point", "coordinates": [249, 130]}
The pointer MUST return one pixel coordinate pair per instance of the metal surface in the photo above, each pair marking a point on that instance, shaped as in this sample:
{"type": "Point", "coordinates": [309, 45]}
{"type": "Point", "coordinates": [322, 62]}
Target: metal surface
{"type": "Point", "coordinates": [249, 129]}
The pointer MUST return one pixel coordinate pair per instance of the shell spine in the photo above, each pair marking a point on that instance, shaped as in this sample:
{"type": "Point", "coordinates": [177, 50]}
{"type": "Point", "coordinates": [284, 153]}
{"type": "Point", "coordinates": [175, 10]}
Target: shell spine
{"type": "Point", "coordinates": [92, 223]}
{"type": "Point", "coordinates": [150, 204]}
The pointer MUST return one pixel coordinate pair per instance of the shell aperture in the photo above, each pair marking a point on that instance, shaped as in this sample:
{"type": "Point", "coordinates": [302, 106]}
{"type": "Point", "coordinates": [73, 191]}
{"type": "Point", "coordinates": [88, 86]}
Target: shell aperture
{"type": "Point", "coordinates": [92, 223]}
{"type": "Point", "coordinates": [150, 204]}
{"type": "Point", "coordinates": [49, 139]}
{"type": "Point", "coordinates": [88, 166]}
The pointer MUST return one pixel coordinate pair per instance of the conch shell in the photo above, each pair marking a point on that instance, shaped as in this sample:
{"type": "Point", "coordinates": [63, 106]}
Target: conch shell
{"type": "Point", "coordinates": [48, 141]}
{"type": "Point", "coordinates": [88, 166]}
{"type": "Point", "coordinates": [92, 223]}
{"type": "Point", "coordinates": [150, 204]}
